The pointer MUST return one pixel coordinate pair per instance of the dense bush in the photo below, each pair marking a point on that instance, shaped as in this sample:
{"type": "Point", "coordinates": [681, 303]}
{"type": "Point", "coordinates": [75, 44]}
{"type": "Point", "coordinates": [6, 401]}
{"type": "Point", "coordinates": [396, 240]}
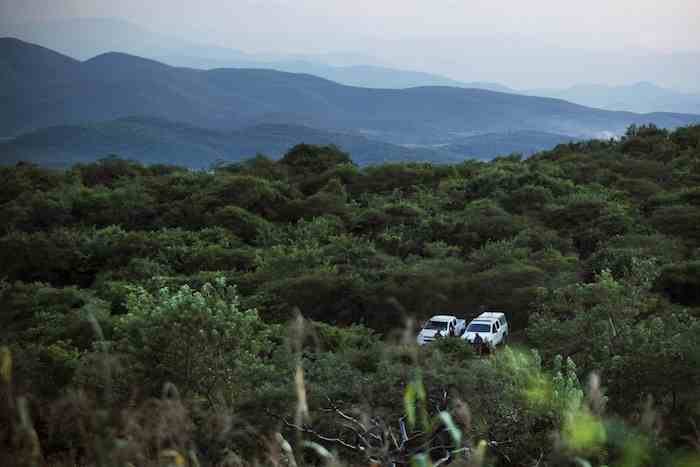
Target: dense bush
{"type": "Point", "coordinates": [114, 286]}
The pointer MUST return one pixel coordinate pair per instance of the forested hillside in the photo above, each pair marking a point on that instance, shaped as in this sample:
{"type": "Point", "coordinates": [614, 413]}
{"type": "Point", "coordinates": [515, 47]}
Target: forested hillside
{"type": "Point", "coordinates": [157, 141]}
{"type": "Point", "coordinates": [160, 309]}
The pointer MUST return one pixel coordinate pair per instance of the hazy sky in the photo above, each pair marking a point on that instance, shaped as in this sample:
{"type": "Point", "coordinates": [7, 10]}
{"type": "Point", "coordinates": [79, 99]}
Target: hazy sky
{"type": "Point", "coordinates": [319, 25]}
{"type": "Point", "coordinates": [409, 33]}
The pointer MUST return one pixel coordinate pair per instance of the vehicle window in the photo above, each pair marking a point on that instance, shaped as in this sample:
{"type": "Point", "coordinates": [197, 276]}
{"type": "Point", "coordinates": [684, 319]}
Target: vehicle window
{"type": "Point", "coordinates": [498, 326]}
{"type": "Point", "coordinates": [436, 325]}
{"type": "Point", "coordinates": [476, 327]}
{"type": "Point", "coordinates": [494, 328]}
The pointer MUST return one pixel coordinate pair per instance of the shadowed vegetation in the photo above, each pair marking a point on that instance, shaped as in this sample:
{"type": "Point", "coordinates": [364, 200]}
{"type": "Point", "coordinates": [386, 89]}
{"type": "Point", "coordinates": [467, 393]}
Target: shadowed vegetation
{"type": "Point", "coordinates": [159, 309]}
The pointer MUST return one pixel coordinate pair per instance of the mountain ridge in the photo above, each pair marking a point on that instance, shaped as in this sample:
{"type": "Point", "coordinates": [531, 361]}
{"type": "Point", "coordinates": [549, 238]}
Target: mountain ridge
{"type": "Point", "coordinates": [641, 96]}
{"type": "Point", "coordinates": [65, 36]}
{"type": "Point", "coordinates": [118, 85]}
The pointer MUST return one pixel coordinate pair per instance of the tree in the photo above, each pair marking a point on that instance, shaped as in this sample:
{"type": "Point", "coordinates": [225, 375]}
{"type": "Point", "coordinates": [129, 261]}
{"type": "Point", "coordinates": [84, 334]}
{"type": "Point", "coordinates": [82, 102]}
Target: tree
{"type": "Point", "coordinates": [309, 159]}
{"type": "Point", "coordinates": [48, 330]}
{"type": "Point", "coordinates": [642, 345]}
{"type": "Point", "coordinates": [241, 222]}
{"type": "Point", "coordinates": [200, 340]}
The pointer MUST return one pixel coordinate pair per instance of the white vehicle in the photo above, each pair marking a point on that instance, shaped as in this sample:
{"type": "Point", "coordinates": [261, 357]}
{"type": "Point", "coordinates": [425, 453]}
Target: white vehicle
{"type": "Point", "coordinates": [491, 326]}
{"type": "Point", "coordinates": [441, 326]}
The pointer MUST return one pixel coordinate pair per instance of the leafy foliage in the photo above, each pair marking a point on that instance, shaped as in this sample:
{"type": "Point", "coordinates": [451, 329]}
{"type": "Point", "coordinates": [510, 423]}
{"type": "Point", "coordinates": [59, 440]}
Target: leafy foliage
{"type": "Point", "coordinates": [118, 275]}
{"type": "Point", "coordinates": [201, 341]}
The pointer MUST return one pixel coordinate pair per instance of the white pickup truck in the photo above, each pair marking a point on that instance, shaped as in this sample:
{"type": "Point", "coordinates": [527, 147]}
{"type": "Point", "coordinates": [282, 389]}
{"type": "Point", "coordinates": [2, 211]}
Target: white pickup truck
{"type": "Point", "coordinates": [441, 326]}
{"type": "Point", "coordinates": [491, 326]}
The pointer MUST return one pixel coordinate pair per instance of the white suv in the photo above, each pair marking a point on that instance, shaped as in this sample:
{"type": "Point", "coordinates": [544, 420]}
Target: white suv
{"type": "Point", "coordinates": [491, 326]}
{"type": "Point", "coordinates": [441, 326]}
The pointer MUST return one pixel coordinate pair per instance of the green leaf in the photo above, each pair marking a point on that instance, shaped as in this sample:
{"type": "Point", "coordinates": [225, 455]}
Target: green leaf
{"type": "Point", "coordinates": [454, 431]}
{"type": "Point", "coordinates": [409, 403]}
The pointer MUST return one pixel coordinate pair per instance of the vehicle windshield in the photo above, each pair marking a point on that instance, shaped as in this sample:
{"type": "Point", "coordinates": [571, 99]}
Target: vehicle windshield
{"type": "Point", "coordinates": [476, 327]}
{"type": "Point", "coordinates": [437, 325]}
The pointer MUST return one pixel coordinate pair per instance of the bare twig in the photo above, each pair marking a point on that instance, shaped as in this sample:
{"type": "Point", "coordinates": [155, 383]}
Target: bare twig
{"type": "Point", "coordinates": [318, 435]}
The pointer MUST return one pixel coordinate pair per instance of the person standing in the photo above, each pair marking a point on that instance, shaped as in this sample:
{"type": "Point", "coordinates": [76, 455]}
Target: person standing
{"type": "Point", "coordinates": [478, 343]}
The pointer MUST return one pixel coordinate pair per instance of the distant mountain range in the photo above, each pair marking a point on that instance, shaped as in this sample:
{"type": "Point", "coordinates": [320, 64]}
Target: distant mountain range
{"type": "Point", "coordinates": [487, 60]}
{"type": "Point", "coordinates": [638, 97]}
{"type": "Point", "coordinates": [50, 102]}
{"type": "Point", "coordinates": [369, 76]}
{"type": "Point", "coordinates": [107, 34]}
{"type": "Point", "coordinates": [42, 88]}
{"type": "Point", "coordinates": [111, 34]}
